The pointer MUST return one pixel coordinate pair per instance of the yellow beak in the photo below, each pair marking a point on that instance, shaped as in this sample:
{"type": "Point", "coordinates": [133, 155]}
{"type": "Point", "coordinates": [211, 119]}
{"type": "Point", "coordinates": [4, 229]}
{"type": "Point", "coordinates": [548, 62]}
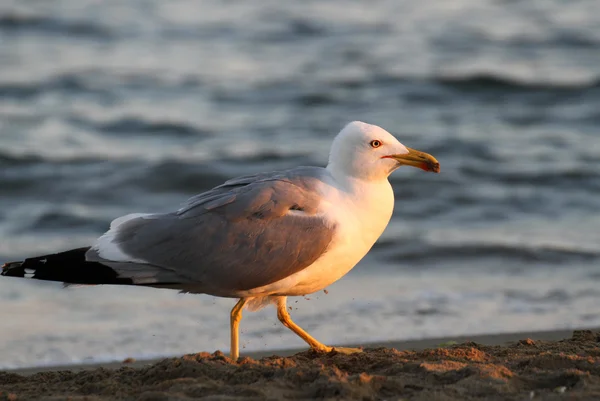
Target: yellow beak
{"type": "Point", "coordinates": [415, 158]}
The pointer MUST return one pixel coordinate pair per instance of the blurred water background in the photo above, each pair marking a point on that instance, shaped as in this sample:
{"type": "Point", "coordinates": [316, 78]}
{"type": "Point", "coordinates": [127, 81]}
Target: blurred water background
{"type": "Point", "coordinates": [110, 107]}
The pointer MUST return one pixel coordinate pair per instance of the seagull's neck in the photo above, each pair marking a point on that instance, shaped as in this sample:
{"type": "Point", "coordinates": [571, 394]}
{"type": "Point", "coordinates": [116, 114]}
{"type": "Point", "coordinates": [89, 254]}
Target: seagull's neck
{"type": "Point", "coordinates": [355, 185]}
{"type": "Point", "coordinates": [369, 204]}
{"type": "Point", "coordinates": [374, 197]}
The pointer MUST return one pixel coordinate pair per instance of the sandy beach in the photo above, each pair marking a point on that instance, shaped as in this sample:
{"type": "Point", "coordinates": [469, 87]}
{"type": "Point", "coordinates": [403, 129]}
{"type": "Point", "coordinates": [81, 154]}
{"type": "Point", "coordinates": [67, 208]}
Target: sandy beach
{"type": "Point", "coordinates": [555, 365]}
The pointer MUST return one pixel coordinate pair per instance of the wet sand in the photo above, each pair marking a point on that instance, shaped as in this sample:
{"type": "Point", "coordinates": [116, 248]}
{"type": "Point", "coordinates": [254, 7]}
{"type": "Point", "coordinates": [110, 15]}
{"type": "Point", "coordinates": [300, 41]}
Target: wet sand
{"type": "Point", "coordinates": [556, 365]}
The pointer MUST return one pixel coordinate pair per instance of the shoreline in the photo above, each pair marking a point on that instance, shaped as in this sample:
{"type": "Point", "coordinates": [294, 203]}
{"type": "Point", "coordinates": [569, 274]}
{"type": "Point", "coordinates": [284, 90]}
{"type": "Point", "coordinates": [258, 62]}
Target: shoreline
{"type": "Point", "coordinates": [550, 365]}
{"type": "Point", "coordinates": [503, 339]}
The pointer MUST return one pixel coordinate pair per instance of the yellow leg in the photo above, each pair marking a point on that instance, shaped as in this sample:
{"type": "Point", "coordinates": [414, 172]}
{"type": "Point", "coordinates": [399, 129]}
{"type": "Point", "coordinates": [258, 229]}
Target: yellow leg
{"type": "Point", "coordinates": [235, 317]}
{"type": "Point", "coordinates": [286, 319]}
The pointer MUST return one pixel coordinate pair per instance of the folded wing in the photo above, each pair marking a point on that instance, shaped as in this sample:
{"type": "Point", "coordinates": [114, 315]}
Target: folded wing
{"type": "Point", "coordinates": [244, 234]}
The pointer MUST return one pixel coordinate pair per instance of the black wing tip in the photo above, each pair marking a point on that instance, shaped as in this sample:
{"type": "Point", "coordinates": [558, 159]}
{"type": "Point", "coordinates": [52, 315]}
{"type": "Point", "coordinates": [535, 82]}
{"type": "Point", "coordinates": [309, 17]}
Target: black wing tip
{"type": "Point", "coordinates": [13, 269]}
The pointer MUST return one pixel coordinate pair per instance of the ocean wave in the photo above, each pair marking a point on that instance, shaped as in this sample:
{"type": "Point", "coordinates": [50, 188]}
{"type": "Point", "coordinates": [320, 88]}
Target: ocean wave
{"type": "Point", "coordinates": [10, 159]}
{"type": "Point", "coordinates": [315, 99]}
{"type": "Point", "coordinates": [93, 179]}
{"type": "Point", "coordinates": [15, 23]}
{"type": "Point", "coordinates": [71, 83]}
{"type": "Point", "coordinates": [33, 175]}
{"type": "Point", "coordinates": [554, 37]}
{"type": "Point", "coordinates": [108, 85]}
{"type": "Point", "coordinates": [190, 178]}
{"type": "Point", "coordinates": [293, 30]}
{"type": "Point", "coordinates": [451, 147]}
{"type": "Point", "coordinates": [25, 177]}
{"type": "Point", "coordinates": [182, 177]}
{"type": "Point", "coordinates": [59, 220]}
{"type": "Point", "coordinates": [488, 81]}
{"type": "Point", "coordinates": [552, 296]}
{"type": "Point", "coordinates": [139, 125]}
{"type": "Point", "coordinates": [417, 252]}
{"type": "Point", "coordinates": [588, 178]}
{"type": "Point", "coordinates": [434, 89]}
{"type": "Point", "coordinates": [428, 85]}
{"type": "Point", "coordinates": [559, 39]}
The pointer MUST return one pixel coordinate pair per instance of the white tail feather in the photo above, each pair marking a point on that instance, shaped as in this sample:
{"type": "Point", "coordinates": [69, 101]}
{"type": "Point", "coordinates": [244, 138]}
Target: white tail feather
{"type": "Point", "coordinates": [105, 245]}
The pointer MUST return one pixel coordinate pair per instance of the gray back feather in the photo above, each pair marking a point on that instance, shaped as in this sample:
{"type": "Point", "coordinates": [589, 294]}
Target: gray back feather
{"type": "Point", "coordinates": [239, 235]}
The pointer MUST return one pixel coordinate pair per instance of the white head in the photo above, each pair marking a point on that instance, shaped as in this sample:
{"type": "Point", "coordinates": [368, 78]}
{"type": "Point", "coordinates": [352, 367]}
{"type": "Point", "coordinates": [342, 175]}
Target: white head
{"type": "Point", "coordinates": [371, 153]}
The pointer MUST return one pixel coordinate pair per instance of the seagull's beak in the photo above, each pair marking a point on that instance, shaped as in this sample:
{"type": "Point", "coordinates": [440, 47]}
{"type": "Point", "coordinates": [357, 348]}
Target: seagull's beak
{"type": "Point", "coordinates": [415, 158]}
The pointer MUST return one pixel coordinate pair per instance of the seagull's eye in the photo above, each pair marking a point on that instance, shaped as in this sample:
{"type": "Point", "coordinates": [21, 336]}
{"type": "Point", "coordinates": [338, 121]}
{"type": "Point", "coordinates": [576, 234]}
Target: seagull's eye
{"type": "Point", "coordinates": [375, 143]}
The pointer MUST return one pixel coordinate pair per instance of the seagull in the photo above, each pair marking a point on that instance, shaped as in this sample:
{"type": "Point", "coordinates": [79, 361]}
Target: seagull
{"type": "Point", "coordinates": [257, 238]}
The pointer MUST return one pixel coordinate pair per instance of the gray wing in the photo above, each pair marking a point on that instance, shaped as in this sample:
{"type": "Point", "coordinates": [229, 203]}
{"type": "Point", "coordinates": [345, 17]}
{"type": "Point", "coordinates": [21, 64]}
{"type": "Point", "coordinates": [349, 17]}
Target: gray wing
{"type": "Point", "coordinates": [238, 236]}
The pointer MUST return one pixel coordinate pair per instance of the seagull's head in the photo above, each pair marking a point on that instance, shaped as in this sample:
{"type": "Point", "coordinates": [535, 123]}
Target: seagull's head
{"type": "Point", "coordinates": [369, 152]}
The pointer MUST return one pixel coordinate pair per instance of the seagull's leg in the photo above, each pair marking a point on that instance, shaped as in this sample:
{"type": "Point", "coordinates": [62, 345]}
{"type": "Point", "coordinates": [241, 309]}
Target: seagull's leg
{"type": "Point", "coordinates": [286, 319]}
{"type": "Point", "coordinates": [235, 317]}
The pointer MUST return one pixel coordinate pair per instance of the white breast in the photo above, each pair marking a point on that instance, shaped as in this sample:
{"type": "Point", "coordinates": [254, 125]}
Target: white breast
{"type": "Point", "coordinates": [361, 215]}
